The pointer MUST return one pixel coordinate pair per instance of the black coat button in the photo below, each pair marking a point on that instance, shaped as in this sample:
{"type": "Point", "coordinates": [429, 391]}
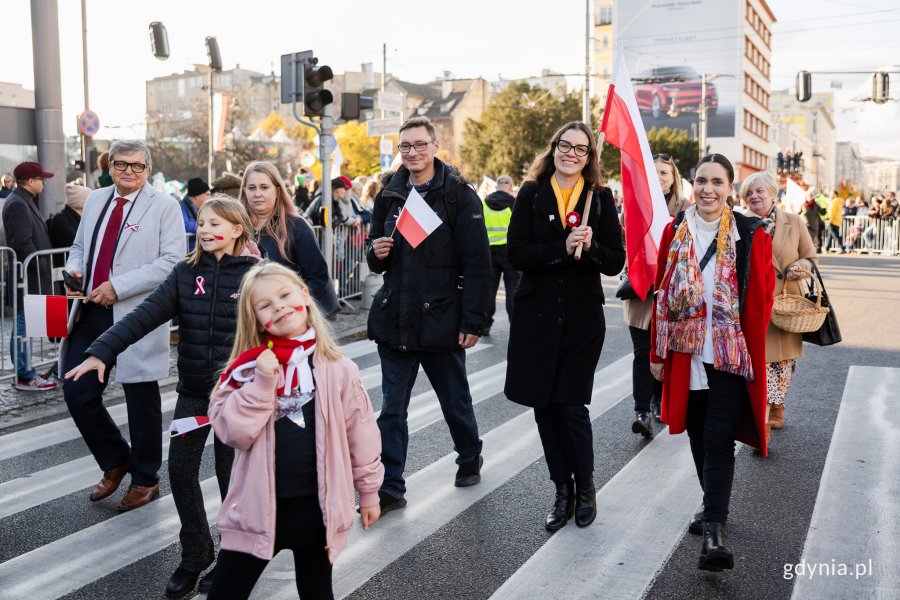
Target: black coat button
{"type": "Point", "coordinates": [559, 320]}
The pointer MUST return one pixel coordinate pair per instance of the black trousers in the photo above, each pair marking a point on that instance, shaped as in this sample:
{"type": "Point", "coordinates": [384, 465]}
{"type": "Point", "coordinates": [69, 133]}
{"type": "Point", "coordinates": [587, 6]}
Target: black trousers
{"type": "Point", "coordinates": [568, 441]}
{"type": "Point", "coordinates": [185, 454]}
{"type": "Point", "coordinates": [643, 386]}
{"type": "Point", "coordinates": [85, 401]}
{"type": "Point", "coordinates": [714, 417]}
{"type": "Point", "coordinates": [501, 268]}
{"type": "Point", "coordinates": [298, 527]}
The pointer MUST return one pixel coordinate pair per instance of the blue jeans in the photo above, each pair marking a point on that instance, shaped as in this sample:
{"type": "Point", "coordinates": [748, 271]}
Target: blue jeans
{"type": "Point", "coordinates": [447, 373]}
{"type": "Point", "coordinates": [833, 233]}
{"type": "Point", "coordinates": [21, 369]}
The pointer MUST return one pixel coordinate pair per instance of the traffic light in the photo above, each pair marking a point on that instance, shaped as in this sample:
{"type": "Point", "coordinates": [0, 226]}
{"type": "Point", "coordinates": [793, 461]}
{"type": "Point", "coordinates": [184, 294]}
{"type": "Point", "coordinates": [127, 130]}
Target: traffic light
{"type": "Point", "coordinates": [159, 40]}
{"type": "Point", "coordinates": [353, 105]}
{"type": "Point", "coordinates": [78, 165]}
{"type": "Point", "coordinates": [314, 96]}
{"type": "Point", "coordinates": [880, 88]}
{"type": "Point", "coordinates": [212, 53]}
{"type": "Point", "coordinates": [804, 86]}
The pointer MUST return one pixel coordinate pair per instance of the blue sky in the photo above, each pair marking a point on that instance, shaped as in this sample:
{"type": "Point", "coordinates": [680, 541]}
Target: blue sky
{"type": "Point", "coordinates": [467, 37]}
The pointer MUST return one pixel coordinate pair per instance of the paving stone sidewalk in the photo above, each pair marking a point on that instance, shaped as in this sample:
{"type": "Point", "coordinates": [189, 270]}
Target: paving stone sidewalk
{"type": "Point", "coordinates": [21, 409]}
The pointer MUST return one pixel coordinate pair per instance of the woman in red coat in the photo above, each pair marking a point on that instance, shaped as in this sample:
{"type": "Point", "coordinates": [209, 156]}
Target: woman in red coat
{"type": "Point", "coordinates": [708, 336]}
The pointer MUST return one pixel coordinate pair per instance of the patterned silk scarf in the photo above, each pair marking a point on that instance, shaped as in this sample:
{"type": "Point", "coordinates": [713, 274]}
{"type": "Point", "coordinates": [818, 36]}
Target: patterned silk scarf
{"type": "Point", "coordinates": [681, 309]}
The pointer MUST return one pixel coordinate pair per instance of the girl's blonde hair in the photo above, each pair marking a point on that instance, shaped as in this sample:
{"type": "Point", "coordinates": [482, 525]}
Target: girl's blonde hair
{"type": "Point", "coordinates": [276, 226]}
{"type": "Point", "coordinates": [675, 192]}
{"type": "Point", "coordinates": [232, 211]}
{"type": "Point", "coordinates": [249, 332]}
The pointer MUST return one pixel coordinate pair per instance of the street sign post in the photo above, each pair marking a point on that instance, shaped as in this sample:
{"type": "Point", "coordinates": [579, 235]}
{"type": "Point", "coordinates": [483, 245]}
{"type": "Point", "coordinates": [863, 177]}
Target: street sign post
{"type": "Point", "coordinates": [88, 123]}
{"type": "Point", "coordinates": [389, 102]}
{"type": "Point", "coordinates": [376, 127]}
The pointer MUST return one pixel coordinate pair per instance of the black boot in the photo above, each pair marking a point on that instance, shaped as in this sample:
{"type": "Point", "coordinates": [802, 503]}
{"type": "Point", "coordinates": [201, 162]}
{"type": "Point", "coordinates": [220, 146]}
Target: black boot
{"type": "Point", "coordinates": [585, 503]}
{"type": "Point", "coordinates": [206, 581]}
{"type": "Point", "coordinates": [642, 424]}
{"type": "Point", "coordinates": [563, 506]}
{"type": "Point", "coordinates": [180, 583]}
{"type": "Point", "coordinates": [695, 527]}
{"type": "Point", "coordinates": [714, 556]}
{"type": "Point", "coordinates": [656, 408]}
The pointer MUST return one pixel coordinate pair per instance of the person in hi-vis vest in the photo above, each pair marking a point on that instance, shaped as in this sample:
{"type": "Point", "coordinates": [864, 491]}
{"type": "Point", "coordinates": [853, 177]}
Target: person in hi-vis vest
{"type": "Point", "coordinates": [497, 212]}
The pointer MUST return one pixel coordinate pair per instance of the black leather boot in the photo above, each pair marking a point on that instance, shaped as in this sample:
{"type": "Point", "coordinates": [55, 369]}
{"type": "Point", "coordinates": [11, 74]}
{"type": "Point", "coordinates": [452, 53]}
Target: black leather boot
{"type": "Point", "coordinates": [714, 556]}
{"type": "Point", "coordinates": [642, 424]}
{"type": "Point", "coordinates": [563, 506]}
{"type": "Point", "coordinates": [656, 408]}
{"type": "Point", "coordinates": [695, 527]}
{"type": "Point", "coordinates": [181, 583]}
{"type": "Point", "coordinates": [585, 503]}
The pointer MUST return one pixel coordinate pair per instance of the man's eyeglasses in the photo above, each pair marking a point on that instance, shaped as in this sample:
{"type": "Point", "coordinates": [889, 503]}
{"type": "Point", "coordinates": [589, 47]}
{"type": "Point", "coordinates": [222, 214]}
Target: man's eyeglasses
{"type": "Point", "coordinates": [405, 147]}
{"type": "Point", "coordinates": [580, 149]}
{"type": "Point", "coordinates": [667, 157]}
{"type": "Point", "coordinates": [121, 165]}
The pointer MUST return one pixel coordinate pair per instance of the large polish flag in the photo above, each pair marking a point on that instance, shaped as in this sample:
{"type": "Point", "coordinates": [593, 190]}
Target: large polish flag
{"type": "Point", "coordinates": [417, 220]}
{"type": "Point", "coordinates": [644, 205]}
{"type": "Point", "coordinates": [46, 316]}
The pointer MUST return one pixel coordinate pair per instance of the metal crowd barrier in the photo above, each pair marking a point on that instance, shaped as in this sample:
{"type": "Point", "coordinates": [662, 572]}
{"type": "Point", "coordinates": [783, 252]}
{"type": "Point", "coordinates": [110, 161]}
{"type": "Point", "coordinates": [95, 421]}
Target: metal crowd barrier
{"type": "Point", "coordinates": [9, 277]}
{"type": "Point", "coordinates": [871, 235]}
{"type": "Point", "coordinates": [348, 258]}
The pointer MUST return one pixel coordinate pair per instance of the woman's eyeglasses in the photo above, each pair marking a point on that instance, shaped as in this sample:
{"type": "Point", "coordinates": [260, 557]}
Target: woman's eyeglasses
{"type": "Point", "coordinates": [667, 157]}
{"type": "Point", "coordinates": [580, 149]}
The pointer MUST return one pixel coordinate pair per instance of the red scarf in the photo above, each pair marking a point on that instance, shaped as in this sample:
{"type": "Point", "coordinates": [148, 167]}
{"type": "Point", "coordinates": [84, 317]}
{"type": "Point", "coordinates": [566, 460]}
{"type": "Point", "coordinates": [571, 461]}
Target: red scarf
{"type": "Point", "coordinates": [284, 348]}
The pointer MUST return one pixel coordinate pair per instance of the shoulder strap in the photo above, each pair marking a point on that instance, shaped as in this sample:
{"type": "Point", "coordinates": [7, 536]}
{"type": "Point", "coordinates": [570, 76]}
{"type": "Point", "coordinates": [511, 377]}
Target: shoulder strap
{"type": "Point", "coordinates": [709, 252]}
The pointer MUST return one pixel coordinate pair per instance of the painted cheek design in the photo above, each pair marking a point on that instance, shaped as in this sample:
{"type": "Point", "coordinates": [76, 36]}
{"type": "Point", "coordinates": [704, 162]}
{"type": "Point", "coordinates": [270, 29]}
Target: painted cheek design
{"type": "Point", "coordinates": [268, 325]}
{"type": "Point", "coordinates": [299, 308]}
{"type": "Point", "coordinates": [219, 237]}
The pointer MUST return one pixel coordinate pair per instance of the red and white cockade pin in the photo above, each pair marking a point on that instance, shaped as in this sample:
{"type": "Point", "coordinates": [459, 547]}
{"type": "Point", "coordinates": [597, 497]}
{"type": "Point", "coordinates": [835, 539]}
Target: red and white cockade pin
{"type": "Point", "coordinates": [573, 219]}
{"type": "Point", "coordinates": [132, 226]}
{"type": "Point", "coordinates": [200, 289]}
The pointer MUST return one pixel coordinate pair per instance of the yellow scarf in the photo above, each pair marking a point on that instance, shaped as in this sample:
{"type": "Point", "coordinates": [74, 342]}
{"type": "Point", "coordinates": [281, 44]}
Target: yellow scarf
{"type": "Point", "coordinates": [566, 199]}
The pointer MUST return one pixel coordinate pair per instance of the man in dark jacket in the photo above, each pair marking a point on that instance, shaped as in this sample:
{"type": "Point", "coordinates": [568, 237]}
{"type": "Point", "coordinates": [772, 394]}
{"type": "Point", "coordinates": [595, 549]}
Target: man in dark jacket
{"type": "Point", "coordinates": [197, 194]}
{"type": "Point", "coordinates": [431, 307]}
{"type": "Point", "coordinates": [26, 232]}
{"type": "Point", "coordinates": [497, 213]}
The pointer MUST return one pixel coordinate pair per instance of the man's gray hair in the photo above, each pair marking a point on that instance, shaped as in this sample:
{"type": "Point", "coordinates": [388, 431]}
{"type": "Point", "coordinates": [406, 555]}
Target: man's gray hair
{"type": "Point", "coordinates": [120, 146]}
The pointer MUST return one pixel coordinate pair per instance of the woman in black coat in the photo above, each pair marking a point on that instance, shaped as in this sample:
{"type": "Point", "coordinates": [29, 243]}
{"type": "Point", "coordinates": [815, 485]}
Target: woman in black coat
{"type": "Point", "coordinates": [558, 326]}
{"type": "Point", "coordinates": [284, 237]}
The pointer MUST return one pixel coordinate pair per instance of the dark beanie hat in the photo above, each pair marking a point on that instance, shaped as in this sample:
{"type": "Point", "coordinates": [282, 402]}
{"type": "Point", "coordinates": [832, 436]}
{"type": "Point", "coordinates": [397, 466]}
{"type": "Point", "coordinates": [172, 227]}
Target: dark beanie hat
{"type": "Point", "coordinates": [196, 186]}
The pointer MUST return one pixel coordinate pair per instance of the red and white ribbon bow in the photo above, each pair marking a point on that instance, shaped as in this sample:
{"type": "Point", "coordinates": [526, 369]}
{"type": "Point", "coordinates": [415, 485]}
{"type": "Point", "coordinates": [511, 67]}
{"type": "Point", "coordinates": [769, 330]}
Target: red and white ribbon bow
{"type": "Point", "coordinates": [132, 226]}
{"type": "Point", "coordinates": [200, 289]}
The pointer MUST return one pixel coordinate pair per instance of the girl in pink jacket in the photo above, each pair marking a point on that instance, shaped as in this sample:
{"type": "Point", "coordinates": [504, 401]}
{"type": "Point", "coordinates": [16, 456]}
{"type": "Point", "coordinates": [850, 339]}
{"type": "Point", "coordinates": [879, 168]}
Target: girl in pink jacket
{"type": "Point", "coordinates": [296, 412]}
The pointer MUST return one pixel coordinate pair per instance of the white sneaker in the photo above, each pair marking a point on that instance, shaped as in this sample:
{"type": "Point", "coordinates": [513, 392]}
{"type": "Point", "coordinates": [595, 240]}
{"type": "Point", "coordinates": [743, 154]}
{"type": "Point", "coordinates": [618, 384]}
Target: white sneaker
{"type": "Point", "coordinates": [38, 384]}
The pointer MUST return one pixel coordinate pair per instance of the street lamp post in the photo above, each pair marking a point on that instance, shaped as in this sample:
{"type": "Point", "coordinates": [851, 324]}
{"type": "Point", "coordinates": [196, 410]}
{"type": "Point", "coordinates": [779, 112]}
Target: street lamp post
{"type": "Point", "coordinates": [215, 66]}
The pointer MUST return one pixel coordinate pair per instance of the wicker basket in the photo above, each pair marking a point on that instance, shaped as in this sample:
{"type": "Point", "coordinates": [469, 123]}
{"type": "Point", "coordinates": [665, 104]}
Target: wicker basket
{"type": "Point", "coordinates": [796, 314]}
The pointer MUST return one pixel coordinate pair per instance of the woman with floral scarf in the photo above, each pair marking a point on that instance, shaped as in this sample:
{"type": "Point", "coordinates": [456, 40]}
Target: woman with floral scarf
{"type": "Point", "coordinates": [708, 337]}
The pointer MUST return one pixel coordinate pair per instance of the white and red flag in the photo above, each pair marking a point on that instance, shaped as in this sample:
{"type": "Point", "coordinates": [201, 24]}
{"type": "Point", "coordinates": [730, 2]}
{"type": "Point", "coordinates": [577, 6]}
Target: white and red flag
{"type": "Point", "coordinates": [46, 316]}
{"type": "Point", "coordinates": [187, 424]}
{"type": "Point", "coordinates": [417, 220]}
{"type": "Point", "coordinates": [644, 205]}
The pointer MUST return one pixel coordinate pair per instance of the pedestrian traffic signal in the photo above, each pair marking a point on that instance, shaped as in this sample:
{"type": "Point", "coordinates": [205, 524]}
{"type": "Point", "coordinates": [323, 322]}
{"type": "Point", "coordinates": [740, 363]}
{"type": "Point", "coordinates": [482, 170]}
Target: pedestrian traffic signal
{"type": "Point", "coordinates": [804, 86]}
{"type": "Point", "coordinates": [880, 88]}
{"type": "Point", "coordinates": [159, 40]}
{"type": "Point", "coordinates": [353, 105]}
{"type": "Point", "coordinates": [212, 53]}
{"type": "Point", "coordinates": [315, 98]}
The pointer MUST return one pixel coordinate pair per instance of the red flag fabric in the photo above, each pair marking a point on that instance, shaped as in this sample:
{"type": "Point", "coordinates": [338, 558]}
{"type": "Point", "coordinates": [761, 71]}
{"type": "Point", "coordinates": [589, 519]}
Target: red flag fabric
{"type": "Point", "coordinates": [643, 202]}
{"type": "Point", "coordinates": [46, 316]}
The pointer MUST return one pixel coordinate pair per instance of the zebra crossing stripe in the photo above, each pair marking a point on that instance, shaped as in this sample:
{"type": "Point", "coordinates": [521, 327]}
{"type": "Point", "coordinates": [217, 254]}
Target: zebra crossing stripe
{"type": "Point", "coordinates": [434, 501]}
{"type": "Point", "coordinates": [54, 482]}
{"type": "Point", "coordinates": [57, 432]}
{"type": "Point", "coordinates": [853, 545]}
{"type": "Point", "coordinates": [633, 536]}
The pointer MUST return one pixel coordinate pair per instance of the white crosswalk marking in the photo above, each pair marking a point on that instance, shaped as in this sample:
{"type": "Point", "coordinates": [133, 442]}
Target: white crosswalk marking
{"type": "Point", "coordinates": [433, 501]}
{"type": "Point", "coordinates": [853, 545]}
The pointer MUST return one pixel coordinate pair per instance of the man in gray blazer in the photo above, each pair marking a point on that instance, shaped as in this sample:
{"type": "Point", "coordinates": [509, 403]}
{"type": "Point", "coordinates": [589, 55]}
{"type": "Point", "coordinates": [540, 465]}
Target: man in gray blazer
{"type": "Point", "coordinates": [129, 239]}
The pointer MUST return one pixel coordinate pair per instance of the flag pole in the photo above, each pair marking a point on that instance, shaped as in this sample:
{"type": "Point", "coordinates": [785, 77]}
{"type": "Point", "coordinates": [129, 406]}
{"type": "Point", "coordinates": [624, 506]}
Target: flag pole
{"type": "Point", "coordinates": [587, 203]}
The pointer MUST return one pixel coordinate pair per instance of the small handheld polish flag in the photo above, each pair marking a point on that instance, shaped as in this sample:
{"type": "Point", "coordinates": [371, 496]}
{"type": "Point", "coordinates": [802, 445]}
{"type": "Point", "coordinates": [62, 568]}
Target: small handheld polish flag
{"type": "Point", "coordinates": [417, 220]}
{"type": "Point", "coordinates": [186, 425]}
{"type": "Point", "coordinates": [46, 316]}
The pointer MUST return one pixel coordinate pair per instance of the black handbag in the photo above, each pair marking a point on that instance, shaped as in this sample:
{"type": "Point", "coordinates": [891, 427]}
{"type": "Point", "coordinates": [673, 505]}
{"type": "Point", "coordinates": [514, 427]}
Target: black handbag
{"type": "Point", "coordinates": [625, 291]}
{"type": "Point", "coordinates": [829, 333]}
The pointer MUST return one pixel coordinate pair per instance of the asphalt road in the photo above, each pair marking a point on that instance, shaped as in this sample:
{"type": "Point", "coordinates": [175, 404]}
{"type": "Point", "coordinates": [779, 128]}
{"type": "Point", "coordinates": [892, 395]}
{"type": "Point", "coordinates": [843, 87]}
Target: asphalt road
{"type": "Point", "coordinates": [488, 540]}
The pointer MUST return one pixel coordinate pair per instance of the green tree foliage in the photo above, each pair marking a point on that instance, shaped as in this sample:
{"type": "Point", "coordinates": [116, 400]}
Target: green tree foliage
{"type": "Point", "coordinates": [360, 151]}
{"type": "Point", "coordinates": [675, 142]}
{"type": "Point", "coordinates": [516, 125]}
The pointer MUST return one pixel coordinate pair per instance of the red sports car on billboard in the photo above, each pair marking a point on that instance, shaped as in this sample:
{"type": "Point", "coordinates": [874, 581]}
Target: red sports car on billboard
{"type": "Point", "coordinates": [672, 90]}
